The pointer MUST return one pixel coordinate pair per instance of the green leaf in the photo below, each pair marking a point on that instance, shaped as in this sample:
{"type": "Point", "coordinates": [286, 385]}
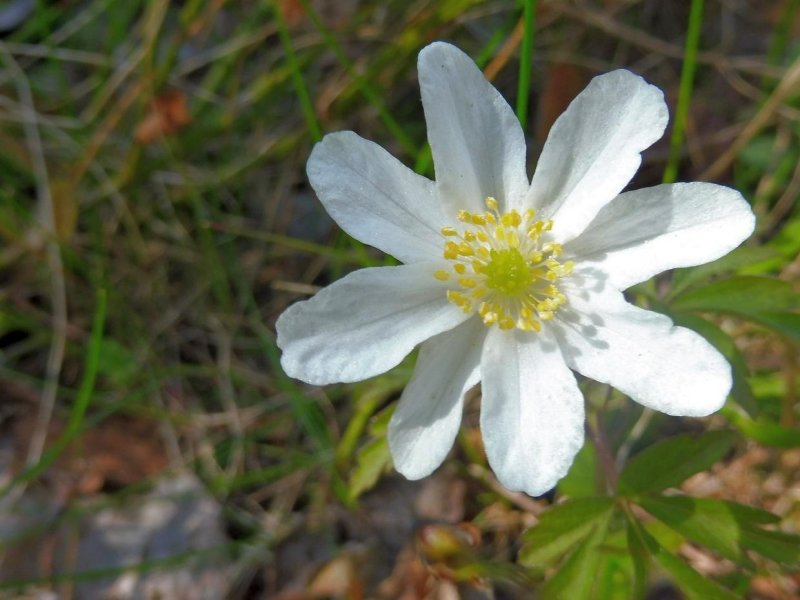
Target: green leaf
{"type": "Point", "coordinates": [670, 462]}
{"type": "Point", "coordinates": [785, 323]}
{"type": "Point", "coordinates": [639, 556]}
{"type": "Point", "coordinates": [727, 528]}
{"type": "Point", "coordinates": [581, 480]}
{"type": "Point", "coordinates": [373, 458]}
{"type": "Point", "coordinates": [763, 431]}
{"type": "Point", "coordinates": [371, 461]}
{"type": "Point", "coordinates": [576, 577]}
{"type": "Point", "coordinates": [692, 583]}
{"type": "Point", "coordinates": [709, 523]}
{"type": "Point", "coordinates": [616, 579]}
{"type": "Point", "coordinates": [683, 279]}
{"type": "Point", "coordinates": [561, 527]}
{"type": "Point", "coordinates": [746, 296]}
{"type": "Point", "coordinates": [763, 300]}
{"type": "Point", "coordinates": [783, 548]}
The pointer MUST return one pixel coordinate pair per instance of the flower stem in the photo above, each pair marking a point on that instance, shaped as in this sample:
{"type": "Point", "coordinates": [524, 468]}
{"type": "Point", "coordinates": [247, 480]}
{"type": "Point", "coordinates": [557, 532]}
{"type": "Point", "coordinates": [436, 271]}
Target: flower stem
{"type": "Point", "coordinates": [606, 465]}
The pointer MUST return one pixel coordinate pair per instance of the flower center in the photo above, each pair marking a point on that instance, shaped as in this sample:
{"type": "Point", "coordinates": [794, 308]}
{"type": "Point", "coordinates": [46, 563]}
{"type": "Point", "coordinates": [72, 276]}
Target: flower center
{"type": "Point", "coordinates": [503, 268]}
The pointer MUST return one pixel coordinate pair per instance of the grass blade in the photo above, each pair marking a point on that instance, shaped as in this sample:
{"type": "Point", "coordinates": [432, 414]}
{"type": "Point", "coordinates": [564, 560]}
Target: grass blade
{"type": "Point", "coordinates": [74, 425]}
{"type": "Point", "coordinates": [526, 58]}
{"type": "Point", "coordinates": [685, 91]}
{"type": "Point", "coordinates": [297, 77]}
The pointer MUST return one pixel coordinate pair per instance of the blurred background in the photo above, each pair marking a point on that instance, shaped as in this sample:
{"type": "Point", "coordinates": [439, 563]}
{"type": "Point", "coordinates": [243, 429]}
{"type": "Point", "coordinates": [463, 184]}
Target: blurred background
{"type": "Point", "coordinates": [155, 219]}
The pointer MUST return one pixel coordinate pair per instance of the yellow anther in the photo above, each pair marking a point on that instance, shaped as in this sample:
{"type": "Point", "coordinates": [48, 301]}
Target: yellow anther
{"type": "Point", "coordinates": [442, 275]}
{"type": "Point", "coordinates": [463, 216]}
{"type": "Point", "coordinates": [491, 203]}
{"type": "Point", "coordinates": [506, 323]}
{"type": "Point", "coordinates": [529, 215]}
{"type": "Point", "coordinates": [467, 282]}
{"type": "Point", "coordinates": [490, 218]}
{"type": "Point", "coordinates": [465, 249]}
{"type": "Point", "coordinates": [451, 250]}
{"type": "Point", "coordinates": [482, 236]}
{"type": "Point", "coordinates": [470, 236]}
{"type": "Point", "coordinates": [511, 219]}
{"type": "Point", "coordinates": [460, 268]}
{"type": "Point", "coordinates": [535, 230]}
{"type": "Point", "coordinates": [490, 318]}
{"type": "Point", "coordinates": [478, 219]}
{"type": "Point", "coordinates": [449, 231]}
{"type": "Point", "coordinates": [553, 248]}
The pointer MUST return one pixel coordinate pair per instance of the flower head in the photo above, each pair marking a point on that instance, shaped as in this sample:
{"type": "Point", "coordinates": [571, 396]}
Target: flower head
{"type": "Point", "coordinates": [509, 281]}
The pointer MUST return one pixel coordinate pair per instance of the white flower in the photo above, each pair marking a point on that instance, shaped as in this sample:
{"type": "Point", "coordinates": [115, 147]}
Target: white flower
{"type": "Point", "coordinates": [513, 283]}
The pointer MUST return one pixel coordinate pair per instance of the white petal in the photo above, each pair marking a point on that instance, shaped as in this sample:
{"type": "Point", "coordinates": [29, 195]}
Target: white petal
{"type": "Point", "coordinates": [642, 233]}
{"type": "Point", "coordinates": [641, 353]}
{"type": "Point", "coordinates": [364, 324]}
{"type": "Point", "coordinates": [425, 423]}
{"type": "Point", "coordinates": [477, 143]}
{"type": "Point", "coordinates": [375, 198]}
{"type": "Point", "coordinates": [594, 148]}
{"type": "Point", "coordinates": [532, 410]}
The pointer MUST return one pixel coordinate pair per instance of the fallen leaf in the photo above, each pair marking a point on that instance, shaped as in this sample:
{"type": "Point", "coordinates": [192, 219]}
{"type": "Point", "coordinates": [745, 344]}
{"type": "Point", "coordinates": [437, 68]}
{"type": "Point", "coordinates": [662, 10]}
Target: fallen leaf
{"type": "Point", "coordinates": [168, 114]}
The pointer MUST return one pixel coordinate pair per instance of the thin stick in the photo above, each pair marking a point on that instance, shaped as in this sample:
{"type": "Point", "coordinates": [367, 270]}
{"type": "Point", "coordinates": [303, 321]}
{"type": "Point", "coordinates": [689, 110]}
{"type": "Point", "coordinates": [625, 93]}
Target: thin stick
{"type": "Point", "coordinates": [58, 292]}
{"type": "Point", "coordinates": [786, 87]}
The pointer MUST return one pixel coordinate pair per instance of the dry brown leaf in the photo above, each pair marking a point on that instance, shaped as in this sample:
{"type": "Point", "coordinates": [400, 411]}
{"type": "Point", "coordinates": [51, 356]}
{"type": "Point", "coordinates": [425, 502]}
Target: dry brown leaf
{"type": "Point", "coordinates": [168, 114]}
{"type": "Point", "coordinates": [292, 11]}
{"type": "Point", "coordinates": [119, 452]}
{"type": "Point", "coordinates": [338, 578]}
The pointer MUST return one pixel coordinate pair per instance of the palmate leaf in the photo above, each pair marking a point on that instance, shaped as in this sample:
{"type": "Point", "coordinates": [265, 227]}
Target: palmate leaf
{"type": "Point", "coordinates": [670, 462]}
{"type": "Point", "coordinates": [640, 557]}
{"type": "Point", "coordinates": [770, 302]}
{"type": "Point", "coordinates": [683, 279]}
{"type": "Point", "coordinates": [745, 295]}
{"type": "Point", "coordinates": [715, 524]}
{"type": "Point", "coordinates": [562, 527]}
{"type": "Point", "coordinates": [576, 577]}
{"type": "Point", "coordinates": [763, 431]}
{"type": "Point", "coordinates": [690, 582]}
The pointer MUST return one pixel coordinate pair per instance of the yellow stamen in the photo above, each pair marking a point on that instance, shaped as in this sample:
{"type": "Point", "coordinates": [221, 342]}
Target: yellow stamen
{"type": "Point", "coordinates": [512, 271]}
{"type": "Point", "coordinates": [442, 275]}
